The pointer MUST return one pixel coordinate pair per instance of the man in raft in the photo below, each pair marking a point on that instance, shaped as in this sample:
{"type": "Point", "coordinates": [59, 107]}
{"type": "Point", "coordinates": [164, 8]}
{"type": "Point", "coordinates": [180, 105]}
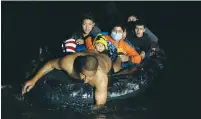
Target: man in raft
{"type": "Point", "coordinates": [90, 66]}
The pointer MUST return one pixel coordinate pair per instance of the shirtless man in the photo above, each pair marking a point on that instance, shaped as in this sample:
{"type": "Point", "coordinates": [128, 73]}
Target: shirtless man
{"type": "Point", "coordinates": [90, 66]}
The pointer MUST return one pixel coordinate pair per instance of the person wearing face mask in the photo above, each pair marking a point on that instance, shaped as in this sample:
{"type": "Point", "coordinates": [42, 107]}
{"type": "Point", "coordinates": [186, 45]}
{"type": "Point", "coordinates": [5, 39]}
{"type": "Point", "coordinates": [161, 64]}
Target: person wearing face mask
{"type": "Point", "coordinates": [126, 55]}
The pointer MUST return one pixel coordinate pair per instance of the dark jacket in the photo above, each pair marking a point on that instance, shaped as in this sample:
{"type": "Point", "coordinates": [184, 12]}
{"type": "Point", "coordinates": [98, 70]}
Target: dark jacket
{"type": "Point", "coordinates": [141, 44]}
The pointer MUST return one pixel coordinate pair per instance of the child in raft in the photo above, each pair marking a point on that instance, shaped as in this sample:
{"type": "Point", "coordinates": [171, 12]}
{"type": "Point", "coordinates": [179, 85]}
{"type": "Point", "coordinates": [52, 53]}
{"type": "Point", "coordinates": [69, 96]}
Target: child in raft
{"type": "Point", "coordinates": [102, 46]}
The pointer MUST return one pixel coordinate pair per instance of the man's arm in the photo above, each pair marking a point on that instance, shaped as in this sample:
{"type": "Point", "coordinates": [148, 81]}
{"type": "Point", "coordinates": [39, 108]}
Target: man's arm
{"type": "Point", "coordinates": [142, 54]}
{"type": "Point", "coordinates": [151, 35]}
{"type": "Point", "coordinates": [135, 57]}
{"type": "Point", "coordinates": [49, 66]}
{"type": "Point", "coordinates": [101, 89]}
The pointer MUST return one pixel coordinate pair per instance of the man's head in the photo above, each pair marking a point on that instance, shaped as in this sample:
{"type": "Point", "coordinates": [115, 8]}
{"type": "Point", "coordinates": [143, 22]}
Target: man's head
{"type": "Point", "coordinates": [100, 43]}
{"type": "Point", "coordinates": [139, 28]}
{"type": "Point", "coordinates": [117, 31]}
{"type": "Point", "coordinates": [87, 23]}
{"type": "Point", "coordinates": [88, 67]}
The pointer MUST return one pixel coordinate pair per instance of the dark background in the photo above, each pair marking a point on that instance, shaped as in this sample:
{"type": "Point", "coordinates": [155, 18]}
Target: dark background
{"type": "Point", "coordinates": [28, 25]}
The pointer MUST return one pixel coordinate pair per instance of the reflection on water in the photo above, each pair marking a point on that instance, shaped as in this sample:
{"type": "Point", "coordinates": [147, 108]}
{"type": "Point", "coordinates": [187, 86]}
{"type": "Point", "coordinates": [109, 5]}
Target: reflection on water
{"type": "Point", "coordinates": [141, 107]}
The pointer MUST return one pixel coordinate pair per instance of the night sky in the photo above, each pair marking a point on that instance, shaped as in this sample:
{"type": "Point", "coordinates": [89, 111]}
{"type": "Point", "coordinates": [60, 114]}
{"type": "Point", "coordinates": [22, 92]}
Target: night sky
{"type": "Point", "coordinates": [28, 25]}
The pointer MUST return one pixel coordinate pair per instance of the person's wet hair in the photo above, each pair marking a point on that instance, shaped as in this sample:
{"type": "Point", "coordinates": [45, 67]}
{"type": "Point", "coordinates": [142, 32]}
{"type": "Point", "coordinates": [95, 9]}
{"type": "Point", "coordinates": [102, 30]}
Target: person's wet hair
{"type": "Point", "coordinates": [118, 24]}
{"type": "Point", "coordinates": [87, 16]}
{"type": "Point", "coordinates": [88, 62]}
{"type": "Point", "coordinates": [91, 63]}
{"type": "Point", "coordinates": [140, 23]}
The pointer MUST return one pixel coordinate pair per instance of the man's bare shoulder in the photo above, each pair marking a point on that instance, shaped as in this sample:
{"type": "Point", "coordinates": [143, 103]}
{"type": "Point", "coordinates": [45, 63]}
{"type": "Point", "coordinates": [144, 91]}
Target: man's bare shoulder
{"type": "Point", "coordinates": [104, 64]}
{"type": "Point", "coordinates": [67, 61]}
{"type": "Point", "coordinates": [72, 56]}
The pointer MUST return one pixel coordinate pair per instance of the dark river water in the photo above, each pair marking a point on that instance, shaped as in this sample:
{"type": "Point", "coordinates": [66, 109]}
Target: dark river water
{"type": "Point", "coordinates": [28, 25]}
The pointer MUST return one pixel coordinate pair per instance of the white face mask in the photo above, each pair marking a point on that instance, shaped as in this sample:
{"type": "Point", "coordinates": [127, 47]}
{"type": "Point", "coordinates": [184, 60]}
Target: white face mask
{"type": "Point", "coordinates": [116, 36]}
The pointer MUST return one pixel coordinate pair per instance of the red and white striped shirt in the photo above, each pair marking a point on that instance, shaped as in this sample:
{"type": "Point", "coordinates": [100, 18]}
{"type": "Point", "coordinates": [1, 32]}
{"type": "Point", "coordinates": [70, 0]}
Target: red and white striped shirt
{"type": "Point", "coordinates": [70, 45]}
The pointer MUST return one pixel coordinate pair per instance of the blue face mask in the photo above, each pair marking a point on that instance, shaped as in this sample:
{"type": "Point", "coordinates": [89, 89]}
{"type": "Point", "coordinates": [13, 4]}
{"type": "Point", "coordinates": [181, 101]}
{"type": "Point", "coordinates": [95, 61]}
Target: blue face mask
{"type": "Point", "coordinates": [116, 36]}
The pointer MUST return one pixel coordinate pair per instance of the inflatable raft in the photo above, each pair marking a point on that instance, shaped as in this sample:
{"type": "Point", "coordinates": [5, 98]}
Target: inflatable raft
{"type": "Point", "coordinates": [56, 88]}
